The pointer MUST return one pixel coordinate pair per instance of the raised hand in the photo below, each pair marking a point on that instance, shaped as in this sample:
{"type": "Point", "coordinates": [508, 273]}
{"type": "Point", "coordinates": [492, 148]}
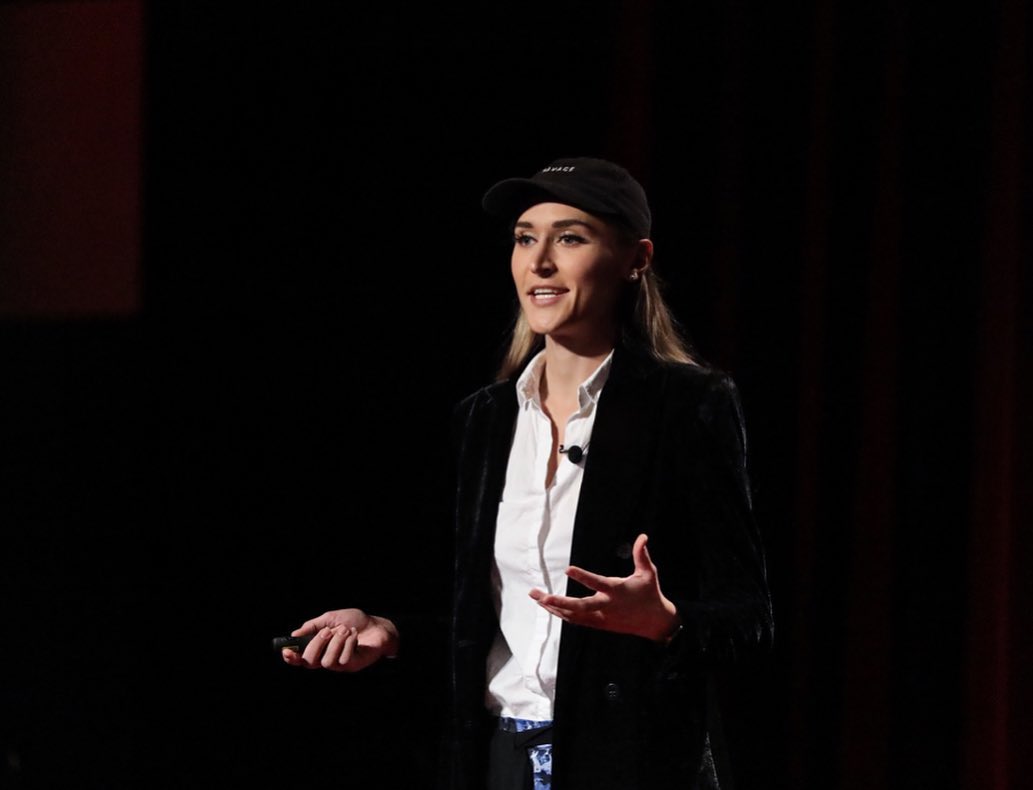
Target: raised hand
{"type": "Point", "coordinates": [626, 605]}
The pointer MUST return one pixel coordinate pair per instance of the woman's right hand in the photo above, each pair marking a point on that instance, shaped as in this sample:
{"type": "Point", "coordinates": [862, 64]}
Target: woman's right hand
{"type": "Point", "coordinates": [344, 640]}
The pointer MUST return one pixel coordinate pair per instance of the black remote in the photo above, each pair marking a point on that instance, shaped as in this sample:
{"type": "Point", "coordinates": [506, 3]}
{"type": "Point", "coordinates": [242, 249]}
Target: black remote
{"type": "Point", "coordinates": [295, 643]}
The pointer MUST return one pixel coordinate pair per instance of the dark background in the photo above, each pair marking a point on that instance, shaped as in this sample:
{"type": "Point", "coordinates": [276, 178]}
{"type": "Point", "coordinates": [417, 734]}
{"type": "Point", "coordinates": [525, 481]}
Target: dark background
{"type": "Point", "coordinates": [244, 275]}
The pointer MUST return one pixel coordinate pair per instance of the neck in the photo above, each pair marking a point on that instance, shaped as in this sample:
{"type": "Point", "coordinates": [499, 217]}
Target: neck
{"type": "Point", "coordinates": [566, 366]}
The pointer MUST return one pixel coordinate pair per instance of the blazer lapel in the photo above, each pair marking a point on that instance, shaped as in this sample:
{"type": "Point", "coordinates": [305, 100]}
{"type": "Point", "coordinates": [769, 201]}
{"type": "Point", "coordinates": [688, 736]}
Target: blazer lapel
{"type": "Point", "coordinates": [485, 471]}
{"type": "Point", "coordinates": [498, 439]}
{"type": "Point", "coordinates": [616, 467]}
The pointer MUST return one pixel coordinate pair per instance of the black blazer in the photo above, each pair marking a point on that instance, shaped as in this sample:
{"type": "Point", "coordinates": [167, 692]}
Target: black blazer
{"type": "Point", "coordinates": [667, 457]}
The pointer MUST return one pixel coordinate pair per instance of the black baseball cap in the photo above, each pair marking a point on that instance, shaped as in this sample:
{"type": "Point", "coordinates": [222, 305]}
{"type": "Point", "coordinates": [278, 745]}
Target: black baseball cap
{"type": "Point", "coordinates": [593, 185]}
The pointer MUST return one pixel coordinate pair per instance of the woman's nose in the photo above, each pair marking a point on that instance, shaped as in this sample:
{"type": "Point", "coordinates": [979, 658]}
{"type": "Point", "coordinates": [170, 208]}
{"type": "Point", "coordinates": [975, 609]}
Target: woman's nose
{"type": "Point", "coordinates": [541, 260]}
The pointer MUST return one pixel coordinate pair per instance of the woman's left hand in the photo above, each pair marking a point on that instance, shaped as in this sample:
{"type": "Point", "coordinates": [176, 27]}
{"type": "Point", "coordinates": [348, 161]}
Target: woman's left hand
{"type": "Point", "coordinates": [625, 605]}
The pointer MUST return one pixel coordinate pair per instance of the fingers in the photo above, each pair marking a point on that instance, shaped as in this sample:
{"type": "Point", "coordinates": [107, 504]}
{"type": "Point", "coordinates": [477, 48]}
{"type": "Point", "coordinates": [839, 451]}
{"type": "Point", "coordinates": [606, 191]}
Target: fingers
{"type": "Point", "coordinates": [313, 652]}
{"type": "Point", "coordinates": [330, 648]}
{"type": "Point", "coordinates": [350, 649]}
{"type": "Point", "coordinates": [563, 614]}
{"type": "Point", "coordinates": [569, 607]}
{"type": "Point", "coordinates": [294, 657]}
{"type": "Point", "coordinates": [582, 611]}
{"type": "Point", "coordinates": [592, 581]}
{"type": "Point", "coordinates": [566, 604]}
{"type": "Point", "coordinates": [340, 648]}
{"type": "Point", "coordinates": [333, 619]}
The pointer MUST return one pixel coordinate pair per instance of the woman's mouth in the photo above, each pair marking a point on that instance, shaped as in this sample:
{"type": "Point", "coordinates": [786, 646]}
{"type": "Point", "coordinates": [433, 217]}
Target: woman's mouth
{"type": "Point", "coordinates": [546, 296]}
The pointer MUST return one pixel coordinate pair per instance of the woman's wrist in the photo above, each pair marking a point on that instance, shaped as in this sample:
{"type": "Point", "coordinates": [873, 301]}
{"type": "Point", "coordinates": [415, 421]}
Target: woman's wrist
{"type": "Point", "coordinates": [670, 625]}
{"type": "Point", "coordinates": [390, 630]}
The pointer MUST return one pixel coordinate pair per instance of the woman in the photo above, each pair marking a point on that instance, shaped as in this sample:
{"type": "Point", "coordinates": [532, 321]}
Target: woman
{"type": "Point", "coordinates": [606, 554]}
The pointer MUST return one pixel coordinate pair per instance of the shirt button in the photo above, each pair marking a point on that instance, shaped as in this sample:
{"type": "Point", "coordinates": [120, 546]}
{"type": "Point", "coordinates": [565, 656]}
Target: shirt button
{"type": "Point", "coordinates": [613, 692]}
{"type": "Point", "coordinates": [624, 551]}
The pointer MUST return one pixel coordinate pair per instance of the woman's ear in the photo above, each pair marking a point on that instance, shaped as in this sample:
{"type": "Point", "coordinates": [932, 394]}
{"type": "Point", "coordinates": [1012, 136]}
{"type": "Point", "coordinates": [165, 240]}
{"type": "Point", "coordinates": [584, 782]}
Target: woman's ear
{"type": "Point", "coordinates": [643, 258]}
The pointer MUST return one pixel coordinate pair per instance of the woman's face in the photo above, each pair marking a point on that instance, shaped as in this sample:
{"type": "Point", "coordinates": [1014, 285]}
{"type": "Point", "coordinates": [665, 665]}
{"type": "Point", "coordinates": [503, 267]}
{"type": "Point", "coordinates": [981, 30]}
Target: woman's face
{"type": "Point", "coordinates": [569, 268]}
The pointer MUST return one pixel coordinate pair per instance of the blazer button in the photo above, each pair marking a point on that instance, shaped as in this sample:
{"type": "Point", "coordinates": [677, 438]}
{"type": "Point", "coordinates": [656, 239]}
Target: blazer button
{"type": "Point", "coordinates": [613, 692]}
{"type": "Point", "coordinates": [624, 551]}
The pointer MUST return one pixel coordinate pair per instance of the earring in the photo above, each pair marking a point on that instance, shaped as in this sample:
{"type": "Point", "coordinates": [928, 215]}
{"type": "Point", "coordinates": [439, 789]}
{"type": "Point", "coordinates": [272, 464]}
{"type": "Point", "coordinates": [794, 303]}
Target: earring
{"type": "Point", "coordinates": [634, 276]}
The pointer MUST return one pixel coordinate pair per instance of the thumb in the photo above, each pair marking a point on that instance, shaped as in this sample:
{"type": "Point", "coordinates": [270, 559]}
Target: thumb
{"type": "Point", "coordinates": [308, 627]}
{"type": "Point", "coordinates": [640, 554]}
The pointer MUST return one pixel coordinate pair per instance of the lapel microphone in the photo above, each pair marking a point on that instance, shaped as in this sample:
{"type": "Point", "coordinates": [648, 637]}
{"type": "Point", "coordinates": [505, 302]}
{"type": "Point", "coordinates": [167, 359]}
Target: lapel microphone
{"type": "Point", "coordinates": [574, 453]}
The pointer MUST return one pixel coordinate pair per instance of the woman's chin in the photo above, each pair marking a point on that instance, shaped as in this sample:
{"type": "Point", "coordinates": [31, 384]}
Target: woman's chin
{"type": "Point", "coordinates": [540, 327]}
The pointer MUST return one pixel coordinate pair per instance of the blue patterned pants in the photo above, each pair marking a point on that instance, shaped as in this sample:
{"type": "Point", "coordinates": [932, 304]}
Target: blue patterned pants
{"type": "Point", "coordinates": [539, 754]}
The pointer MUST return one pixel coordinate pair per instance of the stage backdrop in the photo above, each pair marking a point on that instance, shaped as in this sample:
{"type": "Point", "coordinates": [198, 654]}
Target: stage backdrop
{"type": "Point", "coordinates": [244, 276]}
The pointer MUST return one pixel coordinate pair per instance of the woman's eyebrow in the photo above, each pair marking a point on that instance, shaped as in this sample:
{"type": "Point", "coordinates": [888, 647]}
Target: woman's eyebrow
{"type": "Point", "coordinates": [560, 223]}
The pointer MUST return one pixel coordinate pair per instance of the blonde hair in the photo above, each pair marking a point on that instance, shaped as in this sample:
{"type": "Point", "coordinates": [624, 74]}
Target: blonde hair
{"type": "Point", "coordinates": [645, 321]}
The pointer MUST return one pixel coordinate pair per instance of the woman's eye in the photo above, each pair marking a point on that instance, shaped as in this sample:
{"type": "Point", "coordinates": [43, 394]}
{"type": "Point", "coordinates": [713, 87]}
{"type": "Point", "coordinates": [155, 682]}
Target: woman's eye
{"type": "Point", "coordinates": [522, 239]}
{"type": "Point", "coordinates": [571, 238]}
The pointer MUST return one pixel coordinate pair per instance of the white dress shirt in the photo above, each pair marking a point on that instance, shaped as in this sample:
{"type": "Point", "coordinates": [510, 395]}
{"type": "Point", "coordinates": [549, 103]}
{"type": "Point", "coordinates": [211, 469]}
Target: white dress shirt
{"type": "Point", "coordinates": [532, 547]}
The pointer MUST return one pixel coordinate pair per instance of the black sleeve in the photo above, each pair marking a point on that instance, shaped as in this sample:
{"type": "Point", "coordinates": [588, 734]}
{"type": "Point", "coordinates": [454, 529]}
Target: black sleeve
{"type": "Point", "coordinates": [727, 613]}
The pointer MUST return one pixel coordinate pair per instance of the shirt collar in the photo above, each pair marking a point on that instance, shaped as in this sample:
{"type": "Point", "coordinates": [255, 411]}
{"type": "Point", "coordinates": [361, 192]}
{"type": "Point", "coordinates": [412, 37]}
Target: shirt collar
{"type": "Point", "coordinates": [527, 386]}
